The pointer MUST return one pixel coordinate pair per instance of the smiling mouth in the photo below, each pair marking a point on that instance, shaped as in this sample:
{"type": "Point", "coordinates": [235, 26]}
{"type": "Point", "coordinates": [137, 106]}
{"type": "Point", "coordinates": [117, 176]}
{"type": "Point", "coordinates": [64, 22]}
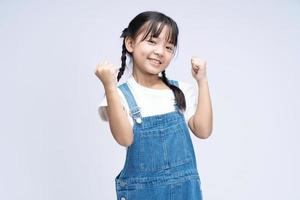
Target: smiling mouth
{"type": "Point", "coordinates": [154, 61]}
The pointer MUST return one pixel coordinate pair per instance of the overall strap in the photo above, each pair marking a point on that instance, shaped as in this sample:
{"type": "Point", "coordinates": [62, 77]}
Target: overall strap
{"type": "Point", "coordinates": [135, 112]}
{"type": "Point", "coordinates": [173, 82]}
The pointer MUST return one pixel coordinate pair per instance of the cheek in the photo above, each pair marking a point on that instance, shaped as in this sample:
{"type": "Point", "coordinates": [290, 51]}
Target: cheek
{"type": "Point", "coordinates": [169, 58]}
{"type": "Point", "coordinates": [144, 51]}
{"type": "Point", "coordinates": [166, 64]}
{"type": "Point", "coordinates": [147, 49]}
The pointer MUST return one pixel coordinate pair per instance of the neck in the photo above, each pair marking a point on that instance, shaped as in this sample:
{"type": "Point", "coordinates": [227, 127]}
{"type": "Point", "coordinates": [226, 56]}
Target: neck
{"type": "Point", "coordinates": [147, 80]}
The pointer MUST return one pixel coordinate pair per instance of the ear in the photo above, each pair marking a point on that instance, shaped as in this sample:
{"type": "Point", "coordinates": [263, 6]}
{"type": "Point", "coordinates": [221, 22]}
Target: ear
{"type": "Point", "coordinates": [129, 43]}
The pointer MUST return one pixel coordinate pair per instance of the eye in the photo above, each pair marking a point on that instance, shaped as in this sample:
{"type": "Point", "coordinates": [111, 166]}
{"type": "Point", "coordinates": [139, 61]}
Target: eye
{"type": "Point", "coordinates": [151, 41]}
{"type": "Point", "coordinates": [170, 48]}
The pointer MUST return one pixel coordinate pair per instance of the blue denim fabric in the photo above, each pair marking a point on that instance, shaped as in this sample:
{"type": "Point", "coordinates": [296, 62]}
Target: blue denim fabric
{"type": "Point", "coordinates": [160, 164]}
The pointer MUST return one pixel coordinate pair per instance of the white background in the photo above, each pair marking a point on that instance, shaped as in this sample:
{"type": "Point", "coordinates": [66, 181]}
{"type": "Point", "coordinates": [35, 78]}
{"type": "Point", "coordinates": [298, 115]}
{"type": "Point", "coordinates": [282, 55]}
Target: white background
{"type": "Point", "coordinates": [53, 145]}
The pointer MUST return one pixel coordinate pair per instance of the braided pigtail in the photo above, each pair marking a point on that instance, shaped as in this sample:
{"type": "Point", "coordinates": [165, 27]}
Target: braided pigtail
{"type": "Point", "coordinates": [179, 96]}
{"type": "Point", "coordinates": [123, 59]}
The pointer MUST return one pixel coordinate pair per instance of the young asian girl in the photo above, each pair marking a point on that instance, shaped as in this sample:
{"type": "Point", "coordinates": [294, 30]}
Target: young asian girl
{"type": "Point", "coordinates": [152, 116]}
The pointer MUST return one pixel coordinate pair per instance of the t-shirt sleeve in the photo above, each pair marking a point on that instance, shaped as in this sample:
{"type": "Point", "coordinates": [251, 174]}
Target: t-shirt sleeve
{"type": "Point", "coordinates": [190, 98]}
{"type": "Point", "coordinates": [102, 109]}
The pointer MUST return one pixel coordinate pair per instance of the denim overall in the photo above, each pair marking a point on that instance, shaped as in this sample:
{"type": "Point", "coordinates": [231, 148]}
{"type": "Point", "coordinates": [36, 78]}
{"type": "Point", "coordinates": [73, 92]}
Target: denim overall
{"type": "Point", "coordinates": [160, 163]}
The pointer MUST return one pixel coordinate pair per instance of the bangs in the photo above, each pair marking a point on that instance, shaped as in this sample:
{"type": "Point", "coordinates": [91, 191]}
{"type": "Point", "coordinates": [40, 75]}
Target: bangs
{"type": "Point", "coordinates": [154, 29]}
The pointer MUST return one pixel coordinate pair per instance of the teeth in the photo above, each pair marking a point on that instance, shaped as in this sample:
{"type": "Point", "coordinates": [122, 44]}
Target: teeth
{"type": "Point", "coordinates": [155, 61]}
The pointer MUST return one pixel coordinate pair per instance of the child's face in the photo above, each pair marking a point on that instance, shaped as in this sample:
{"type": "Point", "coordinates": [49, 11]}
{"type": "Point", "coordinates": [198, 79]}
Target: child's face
{"type": "Point", "coordinates": [151, 55]}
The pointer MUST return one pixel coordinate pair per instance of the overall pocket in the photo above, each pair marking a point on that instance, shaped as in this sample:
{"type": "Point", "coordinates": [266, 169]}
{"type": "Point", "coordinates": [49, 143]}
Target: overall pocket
{"type": "Point", "coordinates": [163, 148]}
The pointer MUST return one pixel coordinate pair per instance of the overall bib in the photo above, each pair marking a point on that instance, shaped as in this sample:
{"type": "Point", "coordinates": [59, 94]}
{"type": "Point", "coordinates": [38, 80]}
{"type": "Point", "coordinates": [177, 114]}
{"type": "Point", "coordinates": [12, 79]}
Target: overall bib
{"type": "Point", "coordinates": [160, 164]}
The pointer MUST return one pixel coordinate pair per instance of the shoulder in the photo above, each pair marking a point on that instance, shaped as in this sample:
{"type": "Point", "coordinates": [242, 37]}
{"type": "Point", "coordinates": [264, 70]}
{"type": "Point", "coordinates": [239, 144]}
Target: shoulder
{"type": "Point", "coordinates": [184, 86]}
{"type": "Point", "coordinates": [128, 84]}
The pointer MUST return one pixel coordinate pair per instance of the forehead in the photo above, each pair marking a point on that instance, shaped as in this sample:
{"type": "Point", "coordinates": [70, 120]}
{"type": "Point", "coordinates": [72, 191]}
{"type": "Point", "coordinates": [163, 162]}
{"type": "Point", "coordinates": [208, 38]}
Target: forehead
{"type": "Point", "coordinates": [145, 32]}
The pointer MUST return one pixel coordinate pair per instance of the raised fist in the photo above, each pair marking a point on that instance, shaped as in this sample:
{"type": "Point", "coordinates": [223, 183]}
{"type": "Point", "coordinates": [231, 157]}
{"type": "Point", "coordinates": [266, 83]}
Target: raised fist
{"type": "Point", "coordinates": [107, 73]}
{"type": "Point", "coordinates": [198, 69]}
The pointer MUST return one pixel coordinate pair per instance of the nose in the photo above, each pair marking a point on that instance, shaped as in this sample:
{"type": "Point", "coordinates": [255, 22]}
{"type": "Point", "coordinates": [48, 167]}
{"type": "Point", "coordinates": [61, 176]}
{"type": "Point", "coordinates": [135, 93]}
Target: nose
{"type": "Point", "coordinates": [159, 50]}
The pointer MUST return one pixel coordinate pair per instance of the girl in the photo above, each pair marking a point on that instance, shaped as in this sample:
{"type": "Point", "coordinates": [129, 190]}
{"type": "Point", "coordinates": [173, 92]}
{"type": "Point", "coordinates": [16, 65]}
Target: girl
{"type": "Point", "coordinates": [150, 115]}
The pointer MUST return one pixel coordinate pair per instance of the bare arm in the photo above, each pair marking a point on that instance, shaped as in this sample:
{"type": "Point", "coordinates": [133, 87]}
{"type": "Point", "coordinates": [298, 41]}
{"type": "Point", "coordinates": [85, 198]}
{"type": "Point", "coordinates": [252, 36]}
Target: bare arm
{"type": "Point", "coordinates": [119, 124]}
{"type": "Point", "coordinates": [201, 122]}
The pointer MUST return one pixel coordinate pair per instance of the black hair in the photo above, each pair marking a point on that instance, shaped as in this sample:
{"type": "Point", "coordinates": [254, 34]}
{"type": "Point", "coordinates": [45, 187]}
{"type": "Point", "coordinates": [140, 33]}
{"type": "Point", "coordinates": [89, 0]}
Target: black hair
{"type": "Point", "coordinates": [156, 22]}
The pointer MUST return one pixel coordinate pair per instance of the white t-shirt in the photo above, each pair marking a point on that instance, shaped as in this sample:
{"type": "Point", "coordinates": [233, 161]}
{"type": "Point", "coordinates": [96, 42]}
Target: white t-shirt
{"type": "Point", "coordinates": [153, 101]}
